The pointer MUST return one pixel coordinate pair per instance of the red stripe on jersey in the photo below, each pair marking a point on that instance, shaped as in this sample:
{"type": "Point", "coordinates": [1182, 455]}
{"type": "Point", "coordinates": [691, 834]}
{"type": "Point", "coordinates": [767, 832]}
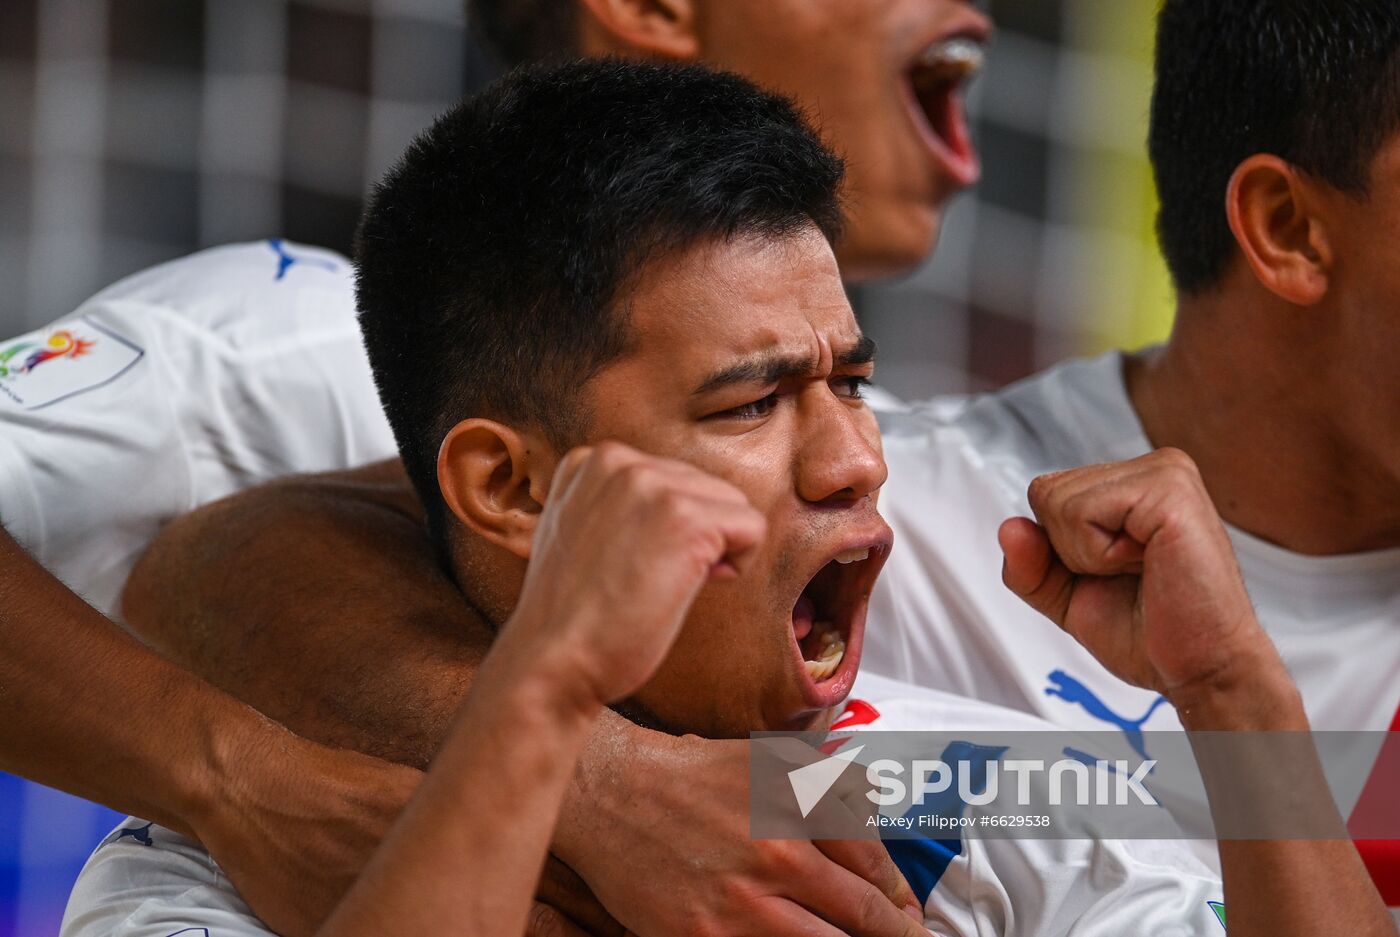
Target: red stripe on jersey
{"type": "Point", "coordinates": [857, 713]}
{"type": "Point", "coordinates": [830, 746]}
{"type": "Point", "coordinates": [1379, 808]}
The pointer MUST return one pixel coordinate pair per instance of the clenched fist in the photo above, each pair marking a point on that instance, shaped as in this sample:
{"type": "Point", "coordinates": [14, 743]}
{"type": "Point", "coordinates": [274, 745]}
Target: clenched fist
{"type": "Point", "coordinates": [1131, 559]}
{"type": "Point", "coordinates": [624, 545]}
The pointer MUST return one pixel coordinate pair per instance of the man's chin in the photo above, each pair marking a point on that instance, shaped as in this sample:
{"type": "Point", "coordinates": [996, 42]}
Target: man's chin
{"type": "Point", "coordinates": [818, 721]}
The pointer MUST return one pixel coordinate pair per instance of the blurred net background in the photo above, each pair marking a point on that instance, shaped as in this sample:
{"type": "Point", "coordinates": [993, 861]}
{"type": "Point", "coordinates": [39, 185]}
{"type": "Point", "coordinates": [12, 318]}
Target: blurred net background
{"type": "Point", "coordinates": [134, 131]}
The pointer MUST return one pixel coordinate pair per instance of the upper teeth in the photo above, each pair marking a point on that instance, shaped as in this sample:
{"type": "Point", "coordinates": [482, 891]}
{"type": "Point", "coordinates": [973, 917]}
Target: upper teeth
{"type": "Point", "coordinates": [962, 56]}
{"type": "Point", "coordinates": [854, 555]}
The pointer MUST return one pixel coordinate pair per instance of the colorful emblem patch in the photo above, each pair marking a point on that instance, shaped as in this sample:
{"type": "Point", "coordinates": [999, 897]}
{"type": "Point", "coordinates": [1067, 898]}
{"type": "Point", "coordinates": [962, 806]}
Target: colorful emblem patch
{"type": "Point", "coordinates": [50, 365]}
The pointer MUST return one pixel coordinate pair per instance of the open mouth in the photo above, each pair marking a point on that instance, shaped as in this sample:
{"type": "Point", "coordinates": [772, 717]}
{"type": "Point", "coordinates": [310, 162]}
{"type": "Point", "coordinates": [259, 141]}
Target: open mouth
{"type": "Point", "coordinates": [828, 620]}
{"type": "Point", "coordinates": [936, 81]}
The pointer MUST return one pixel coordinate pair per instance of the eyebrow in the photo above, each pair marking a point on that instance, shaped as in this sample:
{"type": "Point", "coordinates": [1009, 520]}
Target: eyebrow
{"type": "Point", "coordinates": [770, 368]}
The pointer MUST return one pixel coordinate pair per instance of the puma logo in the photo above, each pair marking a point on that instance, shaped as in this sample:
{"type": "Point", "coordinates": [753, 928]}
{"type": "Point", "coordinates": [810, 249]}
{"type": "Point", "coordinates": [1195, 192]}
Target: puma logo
{"type": "Point", "coordinates": [285, 260]}
{"type": "Point", "coordinates": [142, 834]}
{"type": "Point", "coordinates": [1072, 691]}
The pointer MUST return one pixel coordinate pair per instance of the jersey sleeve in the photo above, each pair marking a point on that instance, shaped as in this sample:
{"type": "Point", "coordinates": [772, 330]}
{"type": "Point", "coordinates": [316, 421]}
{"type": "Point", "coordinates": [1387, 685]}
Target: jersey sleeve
{"type": "Point", "coordinates": [144, 881]}
{"type": "Point", "coordinates": [276, 378]}
{"type": "Point", "coordinates": [176, 387]}
{"type": "Point", "coordinates": [90, 449]}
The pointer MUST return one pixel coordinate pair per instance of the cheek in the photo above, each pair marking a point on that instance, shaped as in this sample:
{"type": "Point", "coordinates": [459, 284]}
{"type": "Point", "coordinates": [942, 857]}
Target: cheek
{"type": "Point", "coordinates": [726, 667]}
{"type": "Point", "coordinates": [758, 464]}
{"type": "Point", "coordinates": [830, 55]}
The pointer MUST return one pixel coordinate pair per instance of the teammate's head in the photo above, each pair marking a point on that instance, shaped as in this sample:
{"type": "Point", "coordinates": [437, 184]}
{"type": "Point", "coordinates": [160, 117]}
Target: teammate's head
{"type": "Point", "coordinates": [1315, 83]}
{"type": "Point", "coordinates": [875, 74]}
{"type": "Point", "coordinates": [641, 253]}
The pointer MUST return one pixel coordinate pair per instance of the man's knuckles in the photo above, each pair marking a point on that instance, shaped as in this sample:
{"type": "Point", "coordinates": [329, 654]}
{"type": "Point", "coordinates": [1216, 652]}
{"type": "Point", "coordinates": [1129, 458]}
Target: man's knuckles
{"type": "Point", "coordinates": [1038, 494]}
{"type": "Point", "coordinates": [729, 905]}
{"type": "Point", "coordinates": [872, 912]}
{"type": "Point", "coordinates": [871, 861]}
{"type": "Point", "coordinates": [1175, 460]}
{"type": "Point", "coordinates": [610, 455]}
{"type": "Point", "coordinates": [786, 860]}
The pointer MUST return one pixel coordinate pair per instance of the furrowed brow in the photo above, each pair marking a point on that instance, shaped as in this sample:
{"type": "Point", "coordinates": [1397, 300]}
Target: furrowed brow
{"type": "Point", "coordinates": [760, 369]}
{"type": "Point", "coordinates": [863, 352]}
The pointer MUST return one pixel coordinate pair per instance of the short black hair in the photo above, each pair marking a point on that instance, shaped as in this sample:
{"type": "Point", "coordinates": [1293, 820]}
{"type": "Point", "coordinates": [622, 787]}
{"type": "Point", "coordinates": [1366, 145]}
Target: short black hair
{"type": "Point", "coordinates": [518, 32]}
{"type": "Point", "coordinates": [1314, 82]}
{"type": "Point", "coordinates": [490, 259]}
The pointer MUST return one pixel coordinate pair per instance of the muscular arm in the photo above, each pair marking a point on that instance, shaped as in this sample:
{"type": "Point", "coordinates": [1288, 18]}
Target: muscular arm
{"type": "Point", "coordinates": [1132, 561]}
{"type": "Point", "coordinates": [1280, 886]}
{"type": "Point", "coordinates": [62, 669]}
{"type": "Point", "coordinates": [486, 811]}
{"type": "Point", "coordinates": [87, 709]}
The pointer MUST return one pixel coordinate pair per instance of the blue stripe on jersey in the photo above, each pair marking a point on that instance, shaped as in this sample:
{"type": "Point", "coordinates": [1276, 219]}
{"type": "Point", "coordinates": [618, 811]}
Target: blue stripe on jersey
{"type": "Point", "coordinates": [923, 861]}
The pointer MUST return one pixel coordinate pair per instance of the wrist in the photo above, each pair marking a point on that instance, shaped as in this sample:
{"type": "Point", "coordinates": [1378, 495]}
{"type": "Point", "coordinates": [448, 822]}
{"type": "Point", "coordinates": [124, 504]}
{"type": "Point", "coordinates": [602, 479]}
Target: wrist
{"type": "Point", "coordinates": [610, 782]}
{"type": "Point", "coordinates": [229, 775]}
{"type": "Point", "coordinates": [1253, 692]}
{"type": "Point", "coordinates": [543, 655]}
{"type": "Point", "coordinates": [540, 676]}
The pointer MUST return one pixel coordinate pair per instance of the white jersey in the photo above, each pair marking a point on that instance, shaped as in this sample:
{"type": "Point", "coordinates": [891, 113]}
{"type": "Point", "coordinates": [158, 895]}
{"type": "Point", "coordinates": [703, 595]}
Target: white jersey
{"type": "Point", "coordinates": [971, 885]}
{"type": "Point", "coordinates": [173, 388]}
{"type": "Point", "coordinates": [940, 616]}
{"type": "Point", "coordinates": [146, 881]}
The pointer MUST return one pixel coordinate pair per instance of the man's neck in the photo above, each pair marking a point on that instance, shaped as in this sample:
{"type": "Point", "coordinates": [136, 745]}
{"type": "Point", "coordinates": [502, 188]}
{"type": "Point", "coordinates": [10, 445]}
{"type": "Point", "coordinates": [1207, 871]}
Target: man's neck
{"type": "Point", "coordinates": [1291, 437]}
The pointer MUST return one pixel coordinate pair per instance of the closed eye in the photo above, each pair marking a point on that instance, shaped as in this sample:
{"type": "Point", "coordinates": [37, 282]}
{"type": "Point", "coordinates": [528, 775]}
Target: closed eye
{"type": "Point", "coordinates": [754, 410]}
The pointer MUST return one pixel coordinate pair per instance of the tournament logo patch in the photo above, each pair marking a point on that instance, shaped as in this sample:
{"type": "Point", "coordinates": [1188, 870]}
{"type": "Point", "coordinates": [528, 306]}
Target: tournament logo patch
{"type": "Point", "coordinates": [53, 364]}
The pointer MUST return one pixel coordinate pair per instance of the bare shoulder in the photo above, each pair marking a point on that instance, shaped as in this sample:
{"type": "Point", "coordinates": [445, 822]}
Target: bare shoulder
{"type": "Point", "coordinates": [319, 600]}
{"type": "Point", "coordinates": [270, 536]}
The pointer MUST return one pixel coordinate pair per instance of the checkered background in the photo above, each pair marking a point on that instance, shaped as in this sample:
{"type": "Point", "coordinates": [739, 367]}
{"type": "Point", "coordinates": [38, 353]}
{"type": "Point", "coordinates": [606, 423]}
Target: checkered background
{"type": "Point", "coordinates": [134, 131]}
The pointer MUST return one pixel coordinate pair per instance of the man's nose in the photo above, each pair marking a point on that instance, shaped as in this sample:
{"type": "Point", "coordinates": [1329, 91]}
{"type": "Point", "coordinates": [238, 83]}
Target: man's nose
{"type": "Point", "coordinates": [841, 459]}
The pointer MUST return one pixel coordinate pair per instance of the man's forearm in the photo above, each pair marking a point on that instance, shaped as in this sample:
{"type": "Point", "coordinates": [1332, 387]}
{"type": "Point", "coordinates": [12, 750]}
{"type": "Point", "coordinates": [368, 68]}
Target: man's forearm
{"type": "Point", "coordinates": [1278, 887]}
{"type": "Point", "coordinates": [472, 843]}
{"type": "Point", "coordinates": [77, 692]}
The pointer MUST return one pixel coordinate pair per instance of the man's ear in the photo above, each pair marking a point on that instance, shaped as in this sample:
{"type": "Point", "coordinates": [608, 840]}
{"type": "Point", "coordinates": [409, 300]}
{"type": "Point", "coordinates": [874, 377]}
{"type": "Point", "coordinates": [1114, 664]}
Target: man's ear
{"type": "Point", "coordinates": [1276, 214]}
{"type": "Point", "coordinates": [493, 478]}
{"type": "Point", "coordinates": [656, 28]}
